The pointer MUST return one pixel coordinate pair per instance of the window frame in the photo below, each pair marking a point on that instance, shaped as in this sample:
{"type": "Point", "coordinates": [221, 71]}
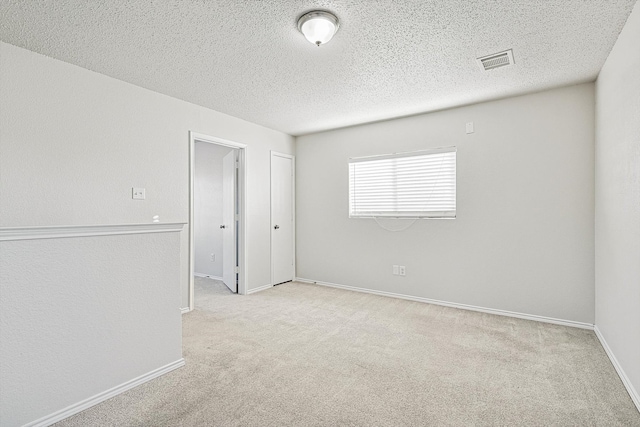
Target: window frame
{"type": "Point", "coordinates": [397, 214]}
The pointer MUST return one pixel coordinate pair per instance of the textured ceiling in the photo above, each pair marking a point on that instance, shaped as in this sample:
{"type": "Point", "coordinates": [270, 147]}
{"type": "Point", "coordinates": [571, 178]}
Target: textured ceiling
{"type": "Point", "coordinates": [390, 58]}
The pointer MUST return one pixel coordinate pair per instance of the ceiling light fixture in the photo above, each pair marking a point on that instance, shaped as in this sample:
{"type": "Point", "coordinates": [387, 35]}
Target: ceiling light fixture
{"type": "Point", "coordinates": [318, 26]}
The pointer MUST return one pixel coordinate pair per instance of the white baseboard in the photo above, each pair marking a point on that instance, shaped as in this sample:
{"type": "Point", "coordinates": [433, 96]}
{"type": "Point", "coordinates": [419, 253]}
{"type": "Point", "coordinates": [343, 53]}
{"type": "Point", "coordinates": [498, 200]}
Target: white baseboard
{"type": "Point", "coordinates": [261, 288]}
{"type": "Point", "coordinates": [498, 312]}
{"type": "Point", "coordinates": [207, 276]}
{"type": "Point", "coordinates": [185, 310]}
{"type": "Point", "coordinates": [101, 397]}
{"type": "Point", "coordinates": [623, 376]}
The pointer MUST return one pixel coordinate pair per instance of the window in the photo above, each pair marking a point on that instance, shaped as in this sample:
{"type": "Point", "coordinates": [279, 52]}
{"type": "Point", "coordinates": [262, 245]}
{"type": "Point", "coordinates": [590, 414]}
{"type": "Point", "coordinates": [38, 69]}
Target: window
{"type": "Point", "coordinates": [410, 185]}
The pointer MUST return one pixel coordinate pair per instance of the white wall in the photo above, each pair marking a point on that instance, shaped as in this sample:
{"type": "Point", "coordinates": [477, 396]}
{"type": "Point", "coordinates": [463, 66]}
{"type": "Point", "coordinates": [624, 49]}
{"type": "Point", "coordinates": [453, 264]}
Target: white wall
{"type": "Point", "coordinates": [523, 239]}
{"type": "Point", "coordinates": [72, 145]}
{"type": "Point", "coordinates": [207, 215]}
{"type": "Point", "coordinates": [82, 315]}
{"type": "Point", "coordinates": [617, 189]}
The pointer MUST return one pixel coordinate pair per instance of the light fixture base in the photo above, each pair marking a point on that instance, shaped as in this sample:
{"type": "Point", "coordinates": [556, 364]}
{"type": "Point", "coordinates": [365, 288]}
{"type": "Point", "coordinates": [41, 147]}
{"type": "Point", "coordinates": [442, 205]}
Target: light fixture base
{"type": "Point", "coordinates": [318, 26]}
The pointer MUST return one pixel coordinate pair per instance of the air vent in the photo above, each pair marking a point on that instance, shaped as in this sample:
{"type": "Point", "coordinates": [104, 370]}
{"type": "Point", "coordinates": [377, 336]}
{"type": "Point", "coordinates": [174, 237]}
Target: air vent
{"type": "Point", "coordinates": [496, 60]}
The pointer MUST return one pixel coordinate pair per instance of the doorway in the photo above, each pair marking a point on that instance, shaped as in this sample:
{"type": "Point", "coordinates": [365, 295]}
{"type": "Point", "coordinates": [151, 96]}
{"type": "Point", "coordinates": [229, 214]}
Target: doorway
{"type": "Point", "coordinates": [217, 214]}
{"type": "Point", "coordinates": [282, 218]}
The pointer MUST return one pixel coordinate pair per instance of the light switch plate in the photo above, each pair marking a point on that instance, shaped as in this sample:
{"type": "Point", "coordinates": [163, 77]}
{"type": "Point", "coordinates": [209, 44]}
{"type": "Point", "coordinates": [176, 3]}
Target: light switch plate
{"type": "Point", "coordinates": [470, 127]}
{"type": "Point", "coordinates": [137, 193]}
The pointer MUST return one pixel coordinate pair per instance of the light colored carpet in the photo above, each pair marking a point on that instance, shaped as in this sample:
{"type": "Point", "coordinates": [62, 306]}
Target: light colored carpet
{"type": "Point", "coordinates": [306, 355]}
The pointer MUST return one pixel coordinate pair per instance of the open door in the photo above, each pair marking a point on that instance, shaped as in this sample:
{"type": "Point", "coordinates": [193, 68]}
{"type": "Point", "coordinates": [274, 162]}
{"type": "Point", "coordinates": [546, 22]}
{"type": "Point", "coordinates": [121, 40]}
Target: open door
{"type": "Point", "coordinates": [234, 265]}
{"type": "Point", "coordinates": [229, 264]}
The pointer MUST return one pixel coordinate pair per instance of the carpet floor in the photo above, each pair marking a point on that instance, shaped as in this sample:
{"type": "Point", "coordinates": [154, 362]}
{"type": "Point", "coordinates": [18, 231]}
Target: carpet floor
{"type": "Point", "coordinates": [306, 355]}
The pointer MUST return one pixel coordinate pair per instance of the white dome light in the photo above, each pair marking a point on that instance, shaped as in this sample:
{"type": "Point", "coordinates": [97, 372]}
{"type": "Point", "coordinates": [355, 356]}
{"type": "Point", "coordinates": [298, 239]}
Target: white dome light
{"type": "Point", "coordinates": [318, 26]}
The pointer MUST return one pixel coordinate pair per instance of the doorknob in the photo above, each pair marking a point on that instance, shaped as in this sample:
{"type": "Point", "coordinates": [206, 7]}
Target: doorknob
{"type": "Point", "coordinates": [222, 226]}
{"type": "Point", "coordinates": [275, 227]}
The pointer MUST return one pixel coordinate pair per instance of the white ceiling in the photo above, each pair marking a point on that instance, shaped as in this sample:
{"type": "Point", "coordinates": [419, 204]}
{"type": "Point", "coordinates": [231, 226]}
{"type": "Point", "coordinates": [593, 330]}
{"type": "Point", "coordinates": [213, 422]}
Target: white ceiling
{"type": "Point", "coordinates": [390, 58]}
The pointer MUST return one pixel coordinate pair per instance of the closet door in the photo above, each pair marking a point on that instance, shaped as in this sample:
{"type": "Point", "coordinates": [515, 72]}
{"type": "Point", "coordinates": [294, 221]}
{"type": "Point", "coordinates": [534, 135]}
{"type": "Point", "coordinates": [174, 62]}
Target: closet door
{"type": "Point", "coordinates": [282, 218]}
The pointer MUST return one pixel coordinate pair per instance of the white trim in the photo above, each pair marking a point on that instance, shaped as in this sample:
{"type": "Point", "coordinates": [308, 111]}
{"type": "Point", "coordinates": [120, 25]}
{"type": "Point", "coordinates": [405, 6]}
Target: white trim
{"type": "Point", "coordinates": [101, 397]}
{"type": "Point", "coordinates": [207, 276]}
{"type": "Point", "coordinates": [242, 201]}
{"type": "Point", "coordinates": [450, 149]}
{"type": "Point", "coordinates": [258, 289]}
{"type": "Point", "coordinates": [293, 210]}
{"type": "Point", "coordinates": [498, 312]}
{"type": "Point", "coordinates": [185, 310]}
{"type": "Point", "coordinates": [195, 136]}
{"type": "Point", "coordinates": [58, 232]}
{"type": "Point", "coordinates": [635, 397]}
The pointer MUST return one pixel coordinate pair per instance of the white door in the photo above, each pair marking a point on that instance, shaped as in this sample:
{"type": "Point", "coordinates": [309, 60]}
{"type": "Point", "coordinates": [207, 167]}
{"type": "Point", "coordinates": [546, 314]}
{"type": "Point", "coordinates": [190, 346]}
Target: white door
{"type": "Point", "coordinates": [282, 232]}
{"type": "Point", "coordinates": [229, 221]}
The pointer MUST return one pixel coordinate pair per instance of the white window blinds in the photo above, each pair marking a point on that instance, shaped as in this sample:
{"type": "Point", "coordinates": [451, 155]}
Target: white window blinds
{"type": "Point", "coordinates": [411, 185]}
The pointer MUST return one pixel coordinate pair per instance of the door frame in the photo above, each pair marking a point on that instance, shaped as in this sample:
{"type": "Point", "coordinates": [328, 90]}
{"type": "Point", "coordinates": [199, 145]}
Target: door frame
{"type": "Point", "coordinates": [241, 196]}
{"type": "Point", "coordinates": [293, 210]}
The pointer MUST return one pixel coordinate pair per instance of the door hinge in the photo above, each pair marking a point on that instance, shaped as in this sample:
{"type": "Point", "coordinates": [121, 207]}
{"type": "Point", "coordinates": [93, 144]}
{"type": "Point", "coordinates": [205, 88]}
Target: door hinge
{"type": "Point", "coordinates": [236, 269]}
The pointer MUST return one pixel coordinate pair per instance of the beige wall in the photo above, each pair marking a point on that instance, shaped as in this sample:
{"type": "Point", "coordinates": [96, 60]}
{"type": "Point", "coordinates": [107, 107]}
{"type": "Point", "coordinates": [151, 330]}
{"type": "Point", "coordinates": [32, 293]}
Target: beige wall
{"type": "Point", "coordinates": [617, 192]}
{"type": "Point", "coordinates": [523, 240]}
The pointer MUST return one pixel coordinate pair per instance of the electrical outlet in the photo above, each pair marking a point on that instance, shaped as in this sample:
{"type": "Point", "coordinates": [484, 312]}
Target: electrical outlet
{"type": "Point", "coordinates": [213, 257]}
{"type": "Point", "coordinates": [137, 193]}
{"type": "Point", "coordinates": [395, 270]}
{"type": "Point", "coordinates": [402, 270]}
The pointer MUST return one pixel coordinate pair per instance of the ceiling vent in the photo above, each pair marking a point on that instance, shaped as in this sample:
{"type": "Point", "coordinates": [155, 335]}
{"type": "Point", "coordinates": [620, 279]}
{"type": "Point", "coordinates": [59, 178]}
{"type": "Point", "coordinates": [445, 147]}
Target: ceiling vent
{"type": "Point", "coordinates": [496, 60]}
